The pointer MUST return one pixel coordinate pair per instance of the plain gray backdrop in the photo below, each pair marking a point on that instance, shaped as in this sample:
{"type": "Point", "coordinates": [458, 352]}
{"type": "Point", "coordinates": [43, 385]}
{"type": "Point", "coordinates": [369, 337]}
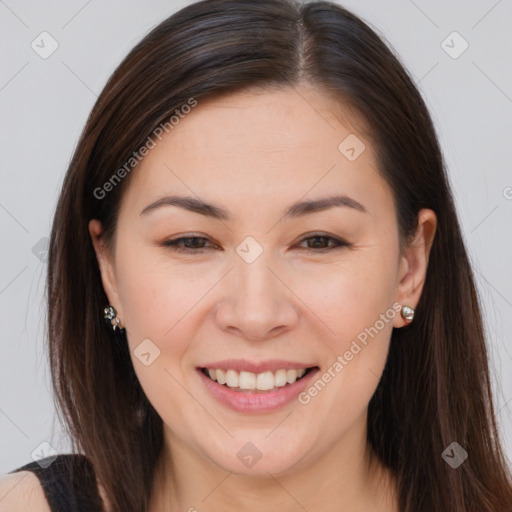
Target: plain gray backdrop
{"type": "Point", "coordinates": [45, 97]}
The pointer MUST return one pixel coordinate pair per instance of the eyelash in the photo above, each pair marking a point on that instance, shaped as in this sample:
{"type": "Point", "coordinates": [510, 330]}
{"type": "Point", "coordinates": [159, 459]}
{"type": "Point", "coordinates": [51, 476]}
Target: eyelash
{"type": "Point", "coordinates": [173, 244]}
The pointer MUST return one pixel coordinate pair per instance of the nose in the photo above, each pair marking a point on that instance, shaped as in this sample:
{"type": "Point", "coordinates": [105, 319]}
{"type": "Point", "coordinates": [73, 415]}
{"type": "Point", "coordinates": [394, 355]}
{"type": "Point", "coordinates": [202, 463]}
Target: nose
{"type": "Point", "coordinates": [256, 302]}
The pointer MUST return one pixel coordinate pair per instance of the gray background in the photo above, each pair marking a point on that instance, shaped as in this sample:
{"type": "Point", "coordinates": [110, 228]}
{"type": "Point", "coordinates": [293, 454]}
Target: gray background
{"type": "Point", "coordinates": [44, 104]}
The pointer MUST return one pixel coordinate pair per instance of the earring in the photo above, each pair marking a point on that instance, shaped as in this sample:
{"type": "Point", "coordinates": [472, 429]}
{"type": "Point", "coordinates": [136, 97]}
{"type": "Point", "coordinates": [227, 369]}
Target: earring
{"type": "Point", "coordinates": [111, 316]}
{"type": "Point", "coordinates": [407, 313]}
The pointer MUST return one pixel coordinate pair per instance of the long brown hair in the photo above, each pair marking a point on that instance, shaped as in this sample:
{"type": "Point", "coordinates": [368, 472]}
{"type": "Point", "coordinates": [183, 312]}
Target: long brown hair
{"type": "Point", "coordinates": [435, 388]}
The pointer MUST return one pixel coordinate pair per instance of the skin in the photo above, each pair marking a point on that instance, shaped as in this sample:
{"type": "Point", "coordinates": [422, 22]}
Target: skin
{"type": "Point", "coordinates": [255, 153]}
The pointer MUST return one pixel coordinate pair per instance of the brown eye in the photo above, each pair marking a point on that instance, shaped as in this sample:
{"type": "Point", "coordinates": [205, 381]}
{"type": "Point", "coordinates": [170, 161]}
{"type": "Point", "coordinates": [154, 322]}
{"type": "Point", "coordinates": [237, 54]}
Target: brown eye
{"type": "Point", "coordinates": [187, 244]}
{"type": "Point", "coordinates": [320, 242]}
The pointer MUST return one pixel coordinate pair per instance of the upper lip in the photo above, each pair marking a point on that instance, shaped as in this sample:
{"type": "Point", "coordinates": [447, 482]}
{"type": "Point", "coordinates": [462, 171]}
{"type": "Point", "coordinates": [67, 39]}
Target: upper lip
{"type": "Point", "coordinates": [255, 367]}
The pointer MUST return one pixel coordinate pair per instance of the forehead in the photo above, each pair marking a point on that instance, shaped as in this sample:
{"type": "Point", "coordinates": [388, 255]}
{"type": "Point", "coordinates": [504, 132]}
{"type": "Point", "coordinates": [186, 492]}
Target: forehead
{"type": "Point", "coordinates": [260, 145]}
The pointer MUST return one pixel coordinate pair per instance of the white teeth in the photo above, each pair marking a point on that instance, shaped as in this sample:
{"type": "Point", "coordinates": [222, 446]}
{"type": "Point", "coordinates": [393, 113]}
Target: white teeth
{"type": "Point", "coordinates": [262, 381]}
{"type": "Point", "coordinates": [232, 379]}
{"type": "Point", "coordinates": [265, 381]}
{"type": "Point", "coordinates": [247, 380]}
{"type": "Point", "coordinates": [291, 376]}
{"type": "Point", "coordinates": [280, 378]}
{"type": "Point", "coordinates": [221, 376]}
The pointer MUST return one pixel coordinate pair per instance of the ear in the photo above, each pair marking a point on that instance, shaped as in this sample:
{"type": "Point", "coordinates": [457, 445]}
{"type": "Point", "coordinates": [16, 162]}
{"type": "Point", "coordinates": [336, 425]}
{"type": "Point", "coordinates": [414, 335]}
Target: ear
{"type": "Point", "coordinates": [414, 263]}
{"type": "Point", "coordinates": [106, 265]}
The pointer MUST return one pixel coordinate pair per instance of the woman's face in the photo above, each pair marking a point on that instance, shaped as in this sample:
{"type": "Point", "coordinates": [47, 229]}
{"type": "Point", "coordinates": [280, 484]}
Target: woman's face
{"type": "Point", "coordinates": [248, 292]}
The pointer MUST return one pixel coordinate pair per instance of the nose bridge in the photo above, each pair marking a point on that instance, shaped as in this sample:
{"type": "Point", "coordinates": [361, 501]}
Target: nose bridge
{"type": "Point", "coordinates": [257, 300]}
{"type": "Point", "coordinates": [254, 278]}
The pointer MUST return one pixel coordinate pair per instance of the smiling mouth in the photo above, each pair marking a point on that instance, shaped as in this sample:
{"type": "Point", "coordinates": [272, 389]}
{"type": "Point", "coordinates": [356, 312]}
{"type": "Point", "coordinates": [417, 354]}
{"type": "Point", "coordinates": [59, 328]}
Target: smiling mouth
{"type": "Point", "coordinates": [249, 382]}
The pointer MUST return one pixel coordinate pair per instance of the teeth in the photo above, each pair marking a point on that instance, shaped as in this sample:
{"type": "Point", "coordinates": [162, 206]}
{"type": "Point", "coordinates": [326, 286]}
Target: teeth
{"type": "Point", "coordinates": [262, 381]}
{"type": "Point", "coordinates": [232, 379]}
{"type": "Point", "coordinates": [220, 376]}
{"type": "Point", "coordinates": [265, 381]}
{"type": "Point", "coordinates": [247, 380]}
{"type": "Point", "coordinates": [280, 378]}
{"type": "Point", "coordinates": [291, 376]}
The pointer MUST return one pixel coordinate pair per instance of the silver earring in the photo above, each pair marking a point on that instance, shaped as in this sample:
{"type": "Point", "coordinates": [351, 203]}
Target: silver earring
{"type": "Point", "coordinates": [111, 316]}
{"type": "Point", "coordinates": [407, 313]}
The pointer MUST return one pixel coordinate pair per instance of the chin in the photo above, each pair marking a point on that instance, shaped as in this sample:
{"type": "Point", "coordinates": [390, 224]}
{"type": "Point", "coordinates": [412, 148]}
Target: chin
{"type": "Point", "coordinates": [258, 455]}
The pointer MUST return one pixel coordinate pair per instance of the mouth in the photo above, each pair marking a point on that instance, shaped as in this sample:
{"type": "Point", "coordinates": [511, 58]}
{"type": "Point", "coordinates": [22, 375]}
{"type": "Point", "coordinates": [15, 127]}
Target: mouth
{"type": "Point", "coordinates": [257, 383]}
{"type": "Point", "coordinates": [259, 391]}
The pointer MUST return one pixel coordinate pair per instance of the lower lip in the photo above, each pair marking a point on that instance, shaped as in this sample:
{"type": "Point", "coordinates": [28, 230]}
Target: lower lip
{"type": "Point", "coordinates": [257, 402]}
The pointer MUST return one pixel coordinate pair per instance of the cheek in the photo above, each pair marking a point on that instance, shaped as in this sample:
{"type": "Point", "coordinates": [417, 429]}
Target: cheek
{"type": "Point", "coordinates": [154, 293]}
{"type": "Point", "coordinates": [350, 296]}
{"type": "Point", "coordinates": [158, 300]}
{"type": "Point", "coordinates": [355, 303]}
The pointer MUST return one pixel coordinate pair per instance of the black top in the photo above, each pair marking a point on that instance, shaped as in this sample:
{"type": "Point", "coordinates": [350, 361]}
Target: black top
{"type": "Point", "coordinates": [69, 483]}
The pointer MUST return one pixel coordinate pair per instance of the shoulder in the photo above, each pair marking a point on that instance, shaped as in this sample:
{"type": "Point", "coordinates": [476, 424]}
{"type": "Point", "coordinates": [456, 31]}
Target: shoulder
{"type": "Point", "coordinates": [22, 491]}
{"type": "Point", "coordinates": [52, 483]}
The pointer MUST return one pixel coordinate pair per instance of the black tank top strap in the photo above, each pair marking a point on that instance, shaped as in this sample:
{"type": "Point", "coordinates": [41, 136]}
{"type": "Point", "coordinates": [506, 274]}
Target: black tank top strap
{"type": "Point", "coordinates": [69, 483]}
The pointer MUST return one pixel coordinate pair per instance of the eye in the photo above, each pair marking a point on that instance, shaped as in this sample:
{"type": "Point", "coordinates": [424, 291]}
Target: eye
{"type": "Point", "coordinates": [186, 244]}
{"type": "Point", "coordinates": [320, 239]}
{"type": "Point", "coordinates": [195, 244]}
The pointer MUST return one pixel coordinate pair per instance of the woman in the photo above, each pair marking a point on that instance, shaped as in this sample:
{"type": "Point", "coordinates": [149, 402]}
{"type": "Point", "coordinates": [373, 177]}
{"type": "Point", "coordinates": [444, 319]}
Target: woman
{"type": "Point", "coordinates": [258, 208]}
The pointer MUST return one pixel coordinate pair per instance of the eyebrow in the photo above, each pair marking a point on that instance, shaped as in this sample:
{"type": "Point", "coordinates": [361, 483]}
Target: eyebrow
{"type": "Point", "coordinates": [297, 209]}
